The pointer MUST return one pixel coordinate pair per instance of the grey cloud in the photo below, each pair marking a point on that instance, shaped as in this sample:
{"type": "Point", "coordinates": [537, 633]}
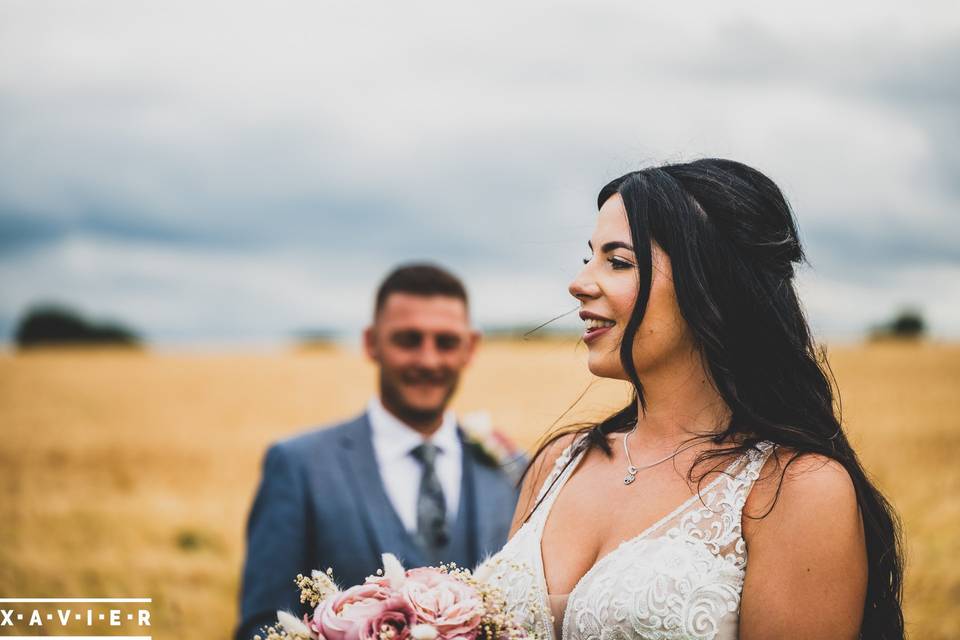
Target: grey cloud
{"type": "Point", "coordinates": [919, 79]}
{"type": "Point", "coordinates": [21, 232]}
{"type": "Point", "coordinates": [866, 62]}
{"type": "Point", "coordinates": [355, 140]}
{"type": "Point", "coordinates": [866, 255]}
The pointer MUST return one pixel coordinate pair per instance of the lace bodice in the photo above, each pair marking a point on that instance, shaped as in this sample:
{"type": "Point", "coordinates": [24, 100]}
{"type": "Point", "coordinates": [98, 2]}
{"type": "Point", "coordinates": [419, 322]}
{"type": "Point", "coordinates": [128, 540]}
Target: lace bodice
{"type": "Point", "coordinates": [680, 579]}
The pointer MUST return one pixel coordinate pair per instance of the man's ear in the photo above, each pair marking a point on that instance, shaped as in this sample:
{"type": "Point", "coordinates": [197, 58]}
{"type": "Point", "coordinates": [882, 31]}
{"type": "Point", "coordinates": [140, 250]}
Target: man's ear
{"type": "Point", "coordinates": [370, 342]}
{"type": "Point", "coordinates": [472, 342]}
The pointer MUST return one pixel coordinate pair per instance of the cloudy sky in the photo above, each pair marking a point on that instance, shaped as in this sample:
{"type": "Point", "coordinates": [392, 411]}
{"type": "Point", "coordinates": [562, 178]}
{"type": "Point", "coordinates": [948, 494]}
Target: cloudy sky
{"type": "Point", "coordinates": [215, 172]}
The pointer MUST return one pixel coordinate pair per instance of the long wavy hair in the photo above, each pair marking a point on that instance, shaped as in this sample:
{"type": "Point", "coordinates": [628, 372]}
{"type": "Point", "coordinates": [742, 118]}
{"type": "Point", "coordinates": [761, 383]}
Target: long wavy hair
{"type": "Point", "coordinates": [733, 245]}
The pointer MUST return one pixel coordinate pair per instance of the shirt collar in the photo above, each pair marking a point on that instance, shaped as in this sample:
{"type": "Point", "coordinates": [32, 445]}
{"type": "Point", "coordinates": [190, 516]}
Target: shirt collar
{"type": "Point", "coordinates": [394, 439]}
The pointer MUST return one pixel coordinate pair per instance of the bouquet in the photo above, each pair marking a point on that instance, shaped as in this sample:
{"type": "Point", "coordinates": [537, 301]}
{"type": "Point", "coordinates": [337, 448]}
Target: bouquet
{"type": "Point", "coordinates": [427, 603]}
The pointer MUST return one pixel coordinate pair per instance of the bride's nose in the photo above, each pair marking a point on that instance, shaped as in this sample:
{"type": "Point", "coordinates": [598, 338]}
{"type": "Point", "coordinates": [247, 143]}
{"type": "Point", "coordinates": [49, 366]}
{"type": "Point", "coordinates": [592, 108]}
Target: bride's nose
{"type": "Point", "coordinates": [583, 287]}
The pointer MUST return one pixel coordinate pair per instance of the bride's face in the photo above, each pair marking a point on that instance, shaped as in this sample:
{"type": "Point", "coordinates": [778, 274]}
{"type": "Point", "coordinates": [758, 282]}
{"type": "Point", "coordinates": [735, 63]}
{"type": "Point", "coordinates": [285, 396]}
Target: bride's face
{"type": "Point", "coordinates": [607, 289]}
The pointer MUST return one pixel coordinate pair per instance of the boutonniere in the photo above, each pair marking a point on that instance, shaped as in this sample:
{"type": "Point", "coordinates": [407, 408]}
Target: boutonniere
{"type": "Point", "coordinates": [496, 448]}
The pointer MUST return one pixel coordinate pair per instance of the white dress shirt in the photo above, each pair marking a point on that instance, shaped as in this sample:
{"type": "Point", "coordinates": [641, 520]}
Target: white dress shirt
{"type": "Point", "coordinates": [392, 443]}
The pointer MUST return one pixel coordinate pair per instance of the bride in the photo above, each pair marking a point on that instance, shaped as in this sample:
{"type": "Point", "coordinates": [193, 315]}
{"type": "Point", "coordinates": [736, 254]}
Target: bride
{"type": "Point", "coordinates": [725, 501]}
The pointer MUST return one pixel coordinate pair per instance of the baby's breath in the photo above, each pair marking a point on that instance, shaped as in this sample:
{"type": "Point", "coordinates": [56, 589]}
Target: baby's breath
{"type": "Point", "coordinates": [316, 588]}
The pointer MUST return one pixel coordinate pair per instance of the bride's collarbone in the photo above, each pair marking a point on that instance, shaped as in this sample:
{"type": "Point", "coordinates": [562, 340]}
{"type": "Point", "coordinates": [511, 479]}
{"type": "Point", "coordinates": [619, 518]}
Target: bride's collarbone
{"type": "Point", "coordinates": [600, 489]}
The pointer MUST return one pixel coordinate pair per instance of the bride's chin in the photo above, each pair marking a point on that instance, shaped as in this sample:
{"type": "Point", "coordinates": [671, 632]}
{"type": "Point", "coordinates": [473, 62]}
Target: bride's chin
{"type": "Point", "coordinates": [606, 366]}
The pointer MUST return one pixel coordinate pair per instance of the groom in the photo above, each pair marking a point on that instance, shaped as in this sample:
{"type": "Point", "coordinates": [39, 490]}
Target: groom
{"type": "Point", "coordinates": [403, 477]}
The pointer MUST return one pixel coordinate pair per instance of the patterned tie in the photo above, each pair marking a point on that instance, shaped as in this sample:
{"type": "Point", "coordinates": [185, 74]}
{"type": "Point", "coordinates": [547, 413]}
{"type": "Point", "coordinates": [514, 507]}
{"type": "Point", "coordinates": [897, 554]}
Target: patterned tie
{"type": "Point", "coordinates": [431, 507]}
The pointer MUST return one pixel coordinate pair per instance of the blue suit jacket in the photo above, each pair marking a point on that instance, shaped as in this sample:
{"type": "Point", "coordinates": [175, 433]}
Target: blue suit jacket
{"type": "Point", "coordinates": [321, 503]}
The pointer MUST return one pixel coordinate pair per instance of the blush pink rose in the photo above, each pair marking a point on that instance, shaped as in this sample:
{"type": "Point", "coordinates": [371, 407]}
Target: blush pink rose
{"type": "Point", "coordinates": [342, 616]}
{"type": "Point", "coordinates": [393, 622]}
{"type": "Point", "coordinates": [452, 607]}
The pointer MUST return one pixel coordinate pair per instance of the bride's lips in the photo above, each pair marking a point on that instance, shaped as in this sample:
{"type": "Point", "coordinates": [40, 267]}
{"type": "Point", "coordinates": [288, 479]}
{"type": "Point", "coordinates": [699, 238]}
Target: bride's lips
{"type": "Point", "coordinates": [593, 333]}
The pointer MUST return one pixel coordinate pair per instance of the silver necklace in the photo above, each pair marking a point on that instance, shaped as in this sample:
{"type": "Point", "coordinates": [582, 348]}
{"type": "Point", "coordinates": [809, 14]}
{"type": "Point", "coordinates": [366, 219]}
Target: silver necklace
{"type": "Point", "coordinates": [632, 469]}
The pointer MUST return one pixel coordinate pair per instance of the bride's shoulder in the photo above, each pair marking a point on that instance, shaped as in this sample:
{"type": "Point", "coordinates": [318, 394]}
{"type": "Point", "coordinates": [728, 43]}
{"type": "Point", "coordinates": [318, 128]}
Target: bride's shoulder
{"type": "Point", "coordinates": [807, 549]}
{"type": "Point", "coordinates": [800, 491]}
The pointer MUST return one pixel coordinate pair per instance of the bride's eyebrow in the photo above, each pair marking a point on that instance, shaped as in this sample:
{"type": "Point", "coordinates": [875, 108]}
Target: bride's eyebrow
{"type": "Point", "coordinates": [610, 246]}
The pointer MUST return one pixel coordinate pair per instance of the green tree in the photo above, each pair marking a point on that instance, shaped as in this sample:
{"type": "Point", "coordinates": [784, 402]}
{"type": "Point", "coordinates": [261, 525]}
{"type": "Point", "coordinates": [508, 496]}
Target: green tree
{"type": "Point", "coordinates": [908, 323]}
{"type": "Point", "coordinates": [51, 324]}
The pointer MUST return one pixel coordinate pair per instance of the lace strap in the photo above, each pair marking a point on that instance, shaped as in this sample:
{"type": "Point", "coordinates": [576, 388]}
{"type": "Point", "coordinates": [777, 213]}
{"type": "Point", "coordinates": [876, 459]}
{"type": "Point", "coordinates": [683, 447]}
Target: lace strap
{"type": "Point", "coordinates": [748, 470]}
{"type": "Point", "coordinates": [742, 482]}
{"type": "Point", "coordinates": [756, 458]}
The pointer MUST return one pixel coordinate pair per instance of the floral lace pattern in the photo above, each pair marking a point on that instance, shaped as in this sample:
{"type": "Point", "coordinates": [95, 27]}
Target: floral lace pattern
{"type": "Point", "coordinates": [516, 568]}
{"type": "Point", "coordinates": [680, 579]}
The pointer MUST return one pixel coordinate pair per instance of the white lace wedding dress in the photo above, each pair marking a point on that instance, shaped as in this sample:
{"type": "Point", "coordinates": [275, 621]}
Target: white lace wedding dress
{"type": "Point", "coordinates": [680, 579]}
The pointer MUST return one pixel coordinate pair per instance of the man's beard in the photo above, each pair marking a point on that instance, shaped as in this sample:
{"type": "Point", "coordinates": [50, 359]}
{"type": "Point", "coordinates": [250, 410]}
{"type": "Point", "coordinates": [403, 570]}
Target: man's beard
{"type": "Point", "coordinates": [393, 398]}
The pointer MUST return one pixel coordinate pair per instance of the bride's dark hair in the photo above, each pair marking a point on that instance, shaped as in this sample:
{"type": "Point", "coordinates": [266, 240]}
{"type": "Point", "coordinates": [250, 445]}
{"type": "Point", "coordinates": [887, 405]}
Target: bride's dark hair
{"type": "Point", "coordinates": [733, 245]}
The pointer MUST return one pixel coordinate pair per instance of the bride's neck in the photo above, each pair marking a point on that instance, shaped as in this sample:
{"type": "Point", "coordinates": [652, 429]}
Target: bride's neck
{"type": "Point", "coordinates": [681, 402]}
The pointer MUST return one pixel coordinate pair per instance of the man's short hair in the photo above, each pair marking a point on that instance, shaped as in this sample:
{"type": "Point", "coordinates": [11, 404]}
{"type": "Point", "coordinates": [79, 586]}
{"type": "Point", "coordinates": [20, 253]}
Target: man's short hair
{"type": "Point", "coordinates": [420, 279]}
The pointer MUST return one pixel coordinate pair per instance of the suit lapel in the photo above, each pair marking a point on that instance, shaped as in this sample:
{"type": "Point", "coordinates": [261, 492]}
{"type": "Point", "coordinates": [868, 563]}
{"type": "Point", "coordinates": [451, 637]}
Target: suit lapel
{"type": "Point", "coordinates": [384, 528]}
{"type": "Point", "coordinates": [484, 514]}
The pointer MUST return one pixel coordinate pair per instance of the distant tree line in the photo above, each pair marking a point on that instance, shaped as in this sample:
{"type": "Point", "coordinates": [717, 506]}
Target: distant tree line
{"type": "Point", "coordinates": [52, 324]}
{"type": "Point", "coordinates": [907, 324]}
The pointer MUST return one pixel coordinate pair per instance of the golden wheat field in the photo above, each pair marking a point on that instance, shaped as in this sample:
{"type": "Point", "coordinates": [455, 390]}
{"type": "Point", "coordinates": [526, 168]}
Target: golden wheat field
{"type": "Point", "coordinates": [131, 473]}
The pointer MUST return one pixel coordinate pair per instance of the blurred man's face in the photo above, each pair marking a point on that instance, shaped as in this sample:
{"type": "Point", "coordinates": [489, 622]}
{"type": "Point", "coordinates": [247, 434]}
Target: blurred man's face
{"type": "Point", "coordinates": [421, 344]}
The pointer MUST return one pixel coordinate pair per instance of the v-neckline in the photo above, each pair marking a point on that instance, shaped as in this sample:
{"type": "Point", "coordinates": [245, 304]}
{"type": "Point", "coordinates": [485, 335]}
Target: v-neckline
{"type": "Point", "coordinates": [562, 481]}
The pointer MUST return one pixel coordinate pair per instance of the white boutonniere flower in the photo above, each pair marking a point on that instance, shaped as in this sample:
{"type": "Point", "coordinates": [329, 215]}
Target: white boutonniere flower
{"type": "Point", "coordinates": [492, 444]}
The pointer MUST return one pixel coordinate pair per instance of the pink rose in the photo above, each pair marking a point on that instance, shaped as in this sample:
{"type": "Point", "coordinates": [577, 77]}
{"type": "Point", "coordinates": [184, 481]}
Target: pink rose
{"type": "Point", "coordinates": [342, 616]}
{"type": "Point", "coordinates": [393, 622]}
{"type": "Point", "coordinates": [453, 607]}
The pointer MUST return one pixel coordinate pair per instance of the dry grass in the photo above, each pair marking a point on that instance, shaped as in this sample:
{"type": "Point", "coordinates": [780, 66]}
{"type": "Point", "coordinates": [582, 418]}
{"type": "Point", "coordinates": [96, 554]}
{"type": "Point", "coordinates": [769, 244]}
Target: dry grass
{"type": "Point", "coordinates": [130, 474]}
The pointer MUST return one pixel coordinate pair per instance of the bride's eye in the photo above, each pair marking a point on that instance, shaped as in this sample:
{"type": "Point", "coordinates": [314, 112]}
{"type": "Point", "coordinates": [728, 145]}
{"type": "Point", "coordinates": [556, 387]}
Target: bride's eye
{"type": "Point", "coordinates": [587, 259]}
{"type": "Point", "coordinates": [620, 263]}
